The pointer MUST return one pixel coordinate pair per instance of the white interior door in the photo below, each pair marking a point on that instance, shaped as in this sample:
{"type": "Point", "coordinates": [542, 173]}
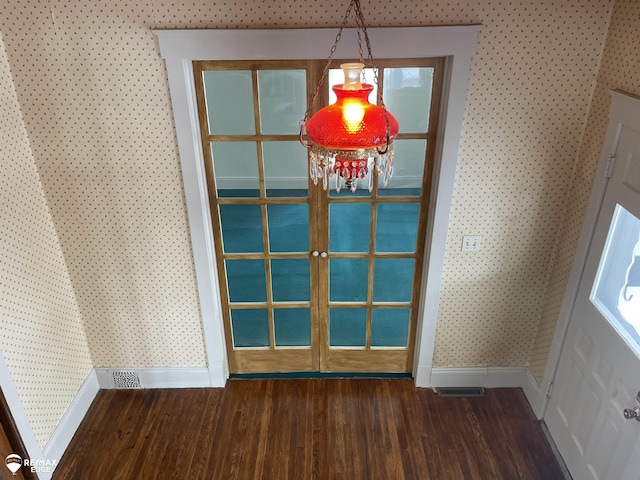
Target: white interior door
{"type": "Point", "coordinates": [598, 375]}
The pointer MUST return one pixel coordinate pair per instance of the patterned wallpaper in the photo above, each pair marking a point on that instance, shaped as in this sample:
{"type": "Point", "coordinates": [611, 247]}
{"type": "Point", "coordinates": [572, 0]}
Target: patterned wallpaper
{"type": "Point", "coordinates": [41, 332]}
{"type": "Point", "coordinates": [619, 70]}
{"type": "Point", "coordinates": [529, 94]}
{"type": "Point", "coordinates": [93, 94]}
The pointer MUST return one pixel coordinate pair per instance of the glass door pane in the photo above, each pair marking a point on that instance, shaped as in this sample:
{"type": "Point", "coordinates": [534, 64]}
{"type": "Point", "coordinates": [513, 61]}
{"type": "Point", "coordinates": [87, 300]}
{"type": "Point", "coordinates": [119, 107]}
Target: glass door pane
{"type": "Point", "coordinates": [241, 228]}
{"type": "Point", "coordinates": [408, 169]}
{"type": "Point", "coordinates": [282, 95]}
{"type": "Point", "coordinates": [390, 327]}
{"type": "Point", "coordinates": [617, 287]}
{"type": "Point", "coordinates": [349, 227]}
{"type": "Point", "coordinates": [348, 279]}
{"type": "Point", "coordinates": [250, 327]}
{"type": "Point", "coordinates": [288, 227]}
{"type": "Point", "coordinates": [285, 169]}
{"type": "Point", "coordinates": [397, 227]}
{"type": "Point", "coordinates": [236, 169]}
{"type": "Point", "coordinates": [407, 93]}
{"type": "Point", "coordinates": [347, 327]}
{"type": "Point", "coordinates": [229, 102]}
{"type": "Point", "coordinates": [292, 327]}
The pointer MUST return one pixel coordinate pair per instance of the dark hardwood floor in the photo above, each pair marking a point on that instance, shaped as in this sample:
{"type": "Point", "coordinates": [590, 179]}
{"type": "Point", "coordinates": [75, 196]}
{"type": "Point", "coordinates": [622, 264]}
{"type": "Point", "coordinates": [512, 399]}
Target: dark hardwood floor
{"type": "Point", "coordinates": [308, 429]}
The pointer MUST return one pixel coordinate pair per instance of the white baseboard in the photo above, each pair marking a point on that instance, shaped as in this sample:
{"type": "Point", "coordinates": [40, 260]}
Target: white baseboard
{"type": "Point", "coordinates": [69, 423]}
{"type": "Point", "coordinates": [422, 376]}
{"type": "Point", "coordinates": [160, 377]}
{"type": "Point", "coordinates": [218, 376]}
{"type": "Point", "coordinates": [489, 377]}
{"type": "Point", "coordinates": [492, 377]}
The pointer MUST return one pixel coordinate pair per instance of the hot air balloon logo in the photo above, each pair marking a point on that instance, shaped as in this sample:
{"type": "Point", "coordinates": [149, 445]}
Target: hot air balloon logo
{"type": "Point", "coordinates": [13, 462]}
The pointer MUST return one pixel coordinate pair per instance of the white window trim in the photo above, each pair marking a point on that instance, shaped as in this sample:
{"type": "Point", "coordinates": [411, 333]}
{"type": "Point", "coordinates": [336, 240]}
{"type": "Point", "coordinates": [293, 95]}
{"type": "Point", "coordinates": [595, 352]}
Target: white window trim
{"type": "Point", "coordinates": [180, 47]}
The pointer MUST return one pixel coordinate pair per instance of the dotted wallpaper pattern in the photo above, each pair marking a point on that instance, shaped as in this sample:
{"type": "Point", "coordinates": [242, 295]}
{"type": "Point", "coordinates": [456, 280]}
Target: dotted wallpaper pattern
{"type": "Point", "coordinates": [619, 70]}
{"type": "Point", "coordinates": [528, 98]}
{"type": "Point", "coordinates": [42, 337]}
{"type": "Point", "coordinates": [94, 97]}
{"type": "Point", "coordinates": [92, 90]}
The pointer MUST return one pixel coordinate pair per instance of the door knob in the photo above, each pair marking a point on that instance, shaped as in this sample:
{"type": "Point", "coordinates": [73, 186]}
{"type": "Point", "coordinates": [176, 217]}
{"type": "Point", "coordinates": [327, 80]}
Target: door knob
{"type": "Point", "coordinates": [315, 253]}
{"type": "Point", "coordinates": [630, 413]}
{"type": "Point", "coordinates": [323, 254]}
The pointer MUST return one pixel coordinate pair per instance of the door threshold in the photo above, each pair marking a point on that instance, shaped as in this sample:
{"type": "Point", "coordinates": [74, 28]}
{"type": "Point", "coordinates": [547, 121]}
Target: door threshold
{"type": "Point", "coordinates": [298, 375]}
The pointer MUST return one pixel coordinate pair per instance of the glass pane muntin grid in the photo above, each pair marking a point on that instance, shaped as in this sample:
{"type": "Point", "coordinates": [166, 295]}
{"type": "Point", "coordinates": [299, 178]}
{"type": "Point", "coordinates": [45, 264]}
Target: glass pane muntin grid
{"type": "Point", "coordinates": [344, 299]}
{"type": "Point", "coordinates": [277, 133]}
{"type": "Point", "coordinates": [413, 195]}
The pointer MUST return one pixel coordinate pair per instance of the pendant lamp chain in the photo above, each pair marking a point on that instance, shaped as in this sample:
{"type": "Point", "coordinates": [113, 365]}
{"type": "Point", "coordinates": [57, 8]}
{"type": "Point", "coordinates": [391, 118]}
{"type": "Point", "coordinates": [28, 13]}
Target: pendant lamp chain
{"type": "Point", "coordinates": [348, 138]}
{"type": "Point", "coordinates": [326, 70]}
{"type": "Point", "coordinates": [360, 18]}
{"type": "Point", "coordinates": [361, 30]}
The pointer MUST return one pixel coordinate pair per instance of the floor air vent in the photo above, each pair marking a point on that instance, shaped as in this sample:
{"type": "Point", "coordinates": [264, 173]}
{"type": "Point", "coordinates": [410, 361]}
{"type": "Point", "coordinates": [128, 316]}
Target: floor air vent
{"type": "Point", "coordinates": [126, 379]}
{"type": "Point", "coordinates": [460, 392]}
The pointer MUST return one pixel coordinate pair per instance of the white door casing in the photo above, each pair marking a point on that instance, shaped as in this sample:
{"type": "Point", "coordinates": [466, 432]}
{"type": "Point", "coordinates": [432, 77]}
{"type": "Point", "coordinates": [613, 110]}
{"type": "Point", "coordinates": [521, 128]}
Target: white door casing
{"type": "Point", "coordinates": [180, 47]}
{"type": "Point", "coordinates": [598, 374]}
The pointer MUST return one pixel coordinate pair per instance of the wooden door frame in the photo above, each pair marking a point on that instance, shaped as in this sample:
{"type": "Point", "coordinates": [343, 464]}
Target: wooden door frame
{"type": "Point", "coordinates": [624, 111]}
{"type": "Point", "coordinates": [180, 47]}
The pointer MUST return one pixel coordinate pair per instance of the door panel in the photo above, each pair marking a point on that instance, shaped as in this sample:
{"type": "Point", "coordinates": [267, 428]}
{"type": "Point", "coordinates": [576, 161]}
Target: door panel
{"type": "Point", "coordinates": [380, 235]}
{"type": "Point", "coordinates": [313, 280]}
{"type": "Point", "coordinates": [262, 211]}
{"type": "Point", "coordinates": [599, 370]}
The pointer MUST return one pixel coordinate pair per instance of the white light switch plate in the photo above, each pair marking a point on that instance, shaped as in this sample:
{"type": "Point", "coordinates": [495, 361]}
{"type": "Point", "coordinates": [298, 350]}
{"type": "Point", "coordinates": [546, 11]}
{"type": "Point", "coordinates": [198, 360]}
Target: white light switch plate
{"type": "Point", "coordinates": [471, 243]}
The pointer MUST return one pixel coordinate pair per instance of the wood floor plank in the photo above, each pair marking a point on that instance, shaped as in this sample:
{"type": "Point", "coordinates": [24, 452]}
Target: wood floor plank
{"type": "Point", "coordinates": [408, 418]}
{"type": "Point", "coordinates": [309, 429]}
{"type": "Point", "coordinates": [208, 419]}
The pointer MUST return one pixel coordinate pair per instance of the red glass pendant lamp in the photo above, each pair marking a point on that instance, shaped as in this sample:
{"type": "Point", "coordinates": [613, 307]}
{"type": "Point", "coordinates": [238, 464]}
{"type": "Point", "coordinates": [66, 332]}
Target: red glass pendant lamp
{"type": "Point", "coordinates": [350, 137]}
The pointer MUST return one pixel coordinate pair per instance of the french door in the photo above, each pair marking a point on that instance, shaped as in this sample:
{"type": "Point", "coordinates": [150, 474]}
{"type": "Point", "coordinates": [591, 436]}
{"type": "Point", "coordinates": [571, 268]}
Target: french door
{"type": "Point", "coordinates": [313, 280]}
